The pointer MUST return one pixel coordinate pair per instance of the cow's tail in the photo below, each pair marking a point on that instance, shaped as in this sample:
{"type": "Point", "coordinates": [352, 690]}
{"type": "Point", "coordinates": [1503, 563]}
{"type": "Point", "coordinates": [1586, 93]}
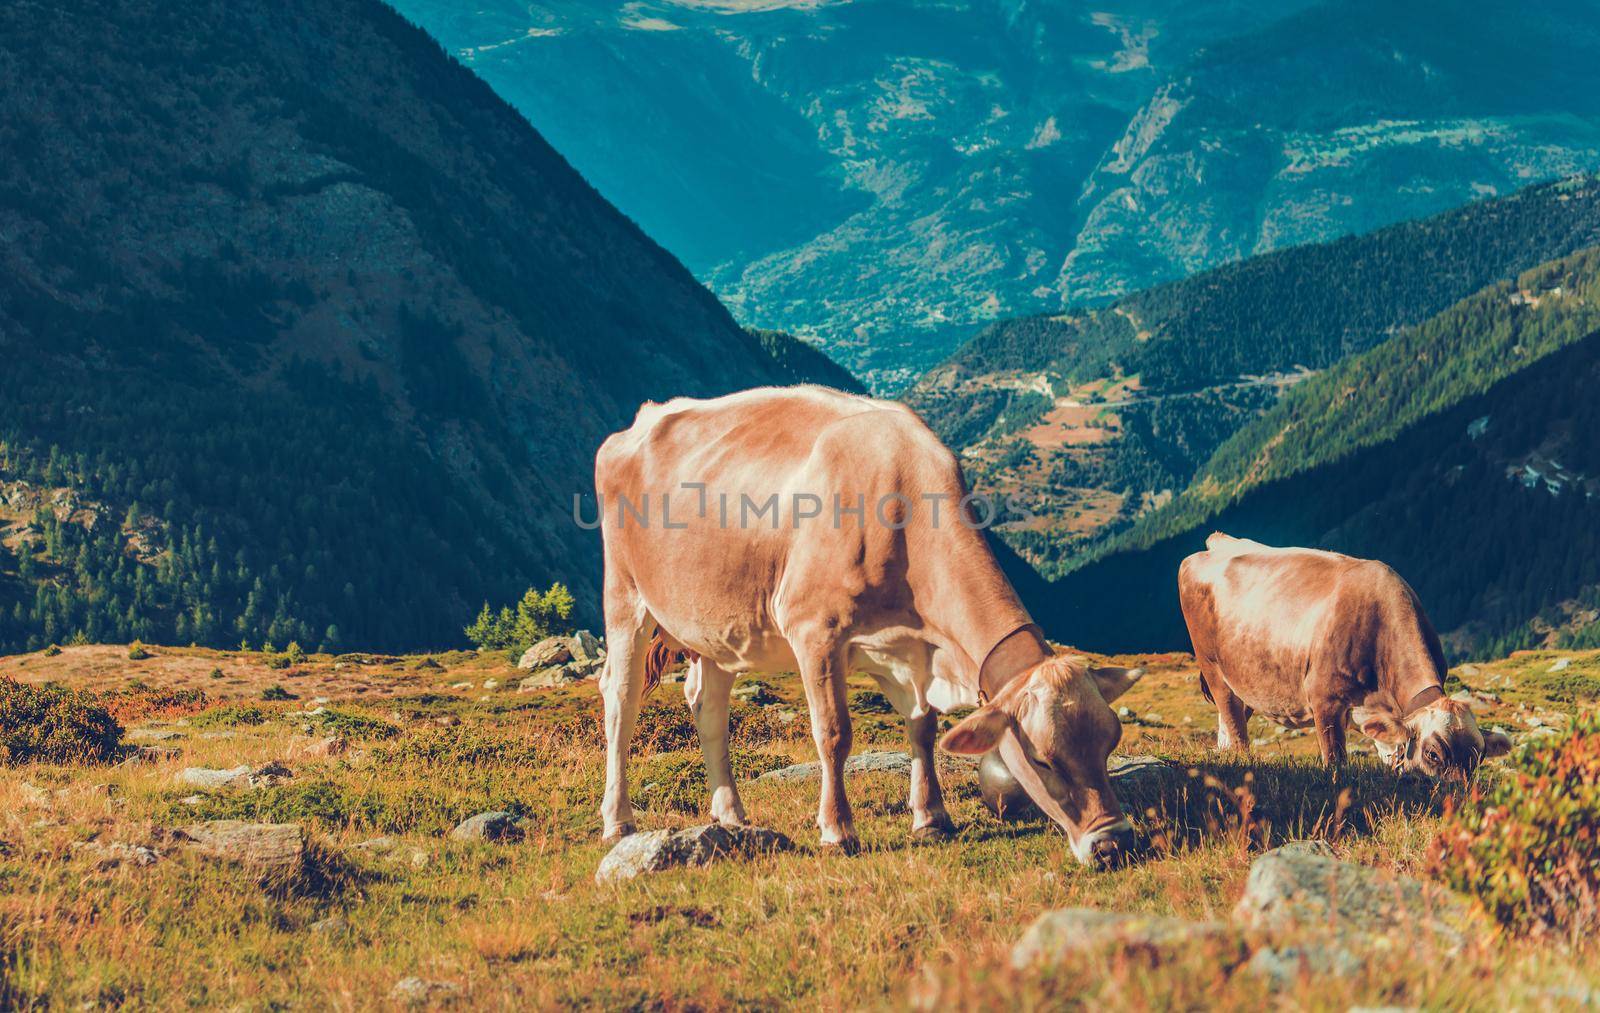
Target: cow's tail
{"type": "Point", "coordinates": [658, 659]}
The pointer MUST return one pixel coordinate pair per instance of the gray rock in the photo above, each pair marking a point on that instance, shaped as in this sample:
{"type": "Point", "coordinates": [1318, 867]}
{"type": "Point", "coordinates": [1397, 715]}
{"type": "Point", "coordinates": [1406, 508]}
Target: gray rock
{"type": "Point", "coordinates": [1055, 935]}
{"type": "Point", "coordinates": [276, 852]}
{"type": "Point", "coordinates": [1282, 966]}
{"type": "Point", "coordinates": [418, 992]}
{"type": "Point", "coordinates": [659, 850]}
{"type": "Point", "coordinates": [586, 647]}
{"type": "Point", "coordinates": [34, 795]}
{"type": "Point", "coordinates": [319, 748]}
{"type": "Point", "coordinates": [330, 926]}
{"type": "Point", "coordinates": [546, 653]}
{"type": "Point", "coordinates": [244, 776]}
{"type": "Point", "coordinates": [114, 854]}
{"type": "Point", "coordinates": [755, 693]}
{"type": "Point", "coordinates": [548, 678]}
{"type": "Point", "coordinates": [491, 684]}
{"type": "Point", "coordinates": [377, 845]}
{"type": "Point", "coordinates": [1561, 665]}
{"type": "Point", "coordinates": [492, 826]}
{"type": "Point", "coordinates": [885, 761]}
{"type": "Point", "coordinates": [587, 668]}
{"type": "Point", "coordinates": [192, 800]}
{"type": "Point", "coordinates": [1300, 886]}
{"type": "Point", "coordinates": [152, 734]}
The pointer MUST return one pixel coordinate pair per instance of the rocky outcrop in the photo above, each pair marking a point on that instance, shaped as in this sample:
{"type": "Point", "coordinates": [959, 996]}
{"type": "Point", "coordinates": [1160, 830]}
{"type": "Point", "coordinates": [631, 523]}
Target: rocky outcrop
{"type": "Point", "coordinates": [1055, 935]}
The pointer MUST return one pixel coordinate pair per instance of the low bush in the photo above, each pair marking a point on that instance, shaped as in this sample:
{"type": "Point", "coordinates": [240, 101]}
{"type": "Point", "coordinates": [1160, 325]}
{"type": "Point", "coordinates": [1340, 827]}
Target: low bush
{"type": "Point", "coordinates": [51, 723]}
{"type": "Point", "coordinates": [276, 692]}
{"type": "Point", "coordinates": [1529, 846]}
{"type": "Point", "coordinates": [230, 716]}
{"type": "Point", "coordinates": [139, 701]}
{"type": "Point", "coordinates": [353, 725]}
{"type": "Point", "coordinates": [137, 652]}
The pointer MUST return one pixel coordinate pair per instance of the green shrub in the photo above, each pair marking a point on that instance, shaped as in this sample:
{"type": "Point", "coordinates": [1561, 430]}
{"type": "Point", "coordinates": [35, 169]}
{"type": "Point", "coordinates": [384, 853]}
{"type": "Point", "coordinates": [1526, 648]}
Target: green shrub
{"type": "Point", "coordinates": [52, 650]}
{"type": "Point", "coordinates": [54, 724]}
{"type": "Point", "coordinates": [869, 701]}
{"type": "Point", "coordinates": [216, 673]}
{"type": "Point", "coordinates": [294, 655]}
{"type": "Point", "coordinates": [537, 616]}
{"type": "Point", "coordinates": [1529, 847]}
{"type": "Point", "coordinates": [230, 716]}
{"type": "Point", "coordinates": [277, 662]}
{"type": "Point", "coordinates": [137, 652]}
{"type": "Point", "coordinates": [277, 692]}
{"type": "Point", "coordinates": [352, 725]}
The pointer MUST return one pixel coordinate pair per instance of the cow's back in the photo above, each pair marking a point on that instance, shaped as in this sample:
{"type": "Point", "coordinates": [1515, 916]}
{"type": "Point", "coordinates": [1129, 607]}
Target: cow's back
{"type": "Point", "coordinates": [713, 580]}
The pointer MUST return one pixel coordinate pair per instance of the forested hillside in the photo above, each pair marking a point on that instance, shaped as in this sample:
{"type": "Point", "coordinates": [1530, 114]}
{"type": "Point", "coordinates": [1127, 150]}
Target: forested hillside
{"type": "Point", "coordinates": [1462, 452]}
{"type": "Point", "coordinates": [1099, 417]}
{"type": "Point", "coordinates": [306, 334]}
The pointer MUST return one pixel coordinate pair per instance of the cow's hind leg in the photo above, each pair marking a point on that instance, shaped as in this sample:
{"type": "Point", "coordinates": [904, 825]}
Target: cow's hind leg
{"type": "Point", "coordinates": [822, 670]}
{"type": "Point", "coordinates": [1233, 717]}
{"type": "Point", "coordinates": [707, 690]}
{"type": "Point", "coordinates": [628, 631]}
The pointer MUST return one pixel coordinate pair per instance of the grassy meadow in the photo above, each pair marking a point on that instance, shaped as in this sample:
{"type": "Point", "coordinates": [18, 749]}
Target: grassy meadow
{"type": "Point", "coordinates": [433, 740]}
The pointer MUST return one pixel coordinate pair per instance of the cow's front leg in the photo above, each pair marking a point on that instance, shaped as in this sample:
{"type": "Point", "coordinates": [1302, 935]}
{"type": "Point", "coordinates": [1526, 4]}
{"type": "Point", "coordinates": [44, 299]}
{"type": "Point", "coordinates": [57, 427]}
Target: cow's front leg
{"type": "Point", "coordinates": [822, 671]}
{"type": "Point", "coordinates": [1330, 723]}
{"type": "Point", "coordinates": [708, 689]}
{"type": "Point", "coordinates": [621, 689]}
{"type": "Point", "coordinates": [929, 821]}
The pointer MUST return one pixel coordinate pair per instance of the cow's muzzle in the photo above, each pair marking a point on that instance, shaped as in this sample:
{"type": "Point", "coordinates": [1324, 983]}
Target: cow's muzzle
{"type": "Point", "coordinates": [1106, 848]}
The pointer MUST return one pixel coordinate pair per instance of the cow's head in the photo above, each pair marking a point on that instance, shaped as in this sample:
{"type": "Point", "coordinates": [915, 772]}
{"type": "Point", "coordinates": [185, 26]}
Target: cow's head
{"type": "Point", "coordinates": [1437, 740]}
{"type": "Point", "coordinates": [1054, 729]}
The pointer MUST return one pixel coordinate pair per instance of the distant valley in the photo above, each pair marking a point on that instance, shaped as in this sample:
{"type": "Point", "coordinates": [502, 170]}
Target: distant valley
{"type": "Point", "coordinates": [885, 177]}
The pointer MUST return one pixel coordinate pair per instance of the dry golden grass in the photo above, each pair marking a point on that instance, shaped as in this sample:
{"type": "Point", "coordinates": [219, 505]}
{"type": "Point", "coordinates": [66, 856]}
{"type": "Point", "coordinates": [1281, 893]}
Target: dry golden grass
{"type": "Point", "coordinates": [523, 925]}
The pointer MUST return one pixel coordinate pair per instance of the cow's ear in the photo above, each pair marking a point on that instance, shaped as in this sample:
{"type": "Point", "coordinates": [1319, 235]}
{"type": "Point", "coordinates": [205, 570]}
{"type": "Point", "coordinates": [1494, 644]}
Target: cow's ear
{"type": "Point", "coordinates": [1496, 743]}
{"type": "Point", "coordinates": [1379, 725]}
{"type": "Point", "coordinates": [978, 733]}
{"type": "Point", "coordinates": [1114, 682]}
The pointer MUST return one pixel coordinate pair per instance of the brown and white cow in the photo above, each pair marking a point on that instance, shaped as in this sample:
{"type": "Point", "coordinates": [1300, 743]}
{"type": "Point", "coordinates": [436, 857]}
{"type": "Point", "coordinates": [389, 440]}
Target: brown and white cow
{"type": "Point", "coordinates": [1310, 637]}
{"type": "Point", "coordinates": [806, 529]}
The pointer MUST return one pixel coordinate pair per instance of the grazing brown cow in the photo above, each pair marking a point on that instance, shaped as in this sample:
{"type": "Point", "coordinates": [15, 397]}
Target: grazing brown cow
{"type": "Point", "coordinates": [805, 529]}
{"type": "Point", "coordinates": [1310, 637]}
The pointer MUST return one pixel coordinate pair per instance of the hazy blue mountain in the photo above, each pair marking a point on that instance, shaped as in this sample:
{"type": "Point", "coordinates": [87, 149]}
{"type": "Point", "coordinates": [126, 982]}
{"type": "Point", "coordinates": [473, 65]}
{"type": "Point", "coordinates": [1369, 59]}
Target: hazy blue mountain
{"type": "Point", "coordinates": [885, 176]}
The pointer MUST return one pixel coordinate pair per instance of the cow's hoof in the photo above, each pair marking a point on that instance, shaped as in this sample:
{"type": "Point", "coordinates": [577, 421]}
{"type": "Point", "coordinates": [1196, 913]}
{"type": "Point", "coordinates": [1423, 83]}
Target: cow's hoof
{"type": "Point", "coordinates": [849, 846]}
{"type": "Point", "coordinates": [618, 833]}
{"type": "Point", "coordinates": [934, 833]}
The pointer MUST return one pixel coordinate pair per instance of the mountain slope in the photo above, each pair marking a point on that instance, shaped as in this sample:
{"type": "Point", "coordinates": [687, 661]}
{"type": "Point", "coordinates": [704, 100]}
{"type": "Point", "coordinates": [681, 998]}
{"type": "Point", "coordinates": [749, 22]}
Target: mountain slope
{"type": "Point", "coordinates": [1097, 418]}
{"type": "Point", "coordinates": [1461, 452]}
{"type": "Point", "coordinates": [883, 177]}
{"type": "Point", "coordinates": [308, 334]}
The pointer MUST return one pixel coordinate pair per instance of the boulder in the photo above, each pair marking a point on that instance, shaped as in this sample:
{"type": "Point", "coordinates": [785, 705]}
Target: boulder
{"type": "Point", "coordinates": [418, 992]}
{"type": "Point", "coordinates": [34, 795]}
{"type": "Point", "coordinates": [1301, 885]}
{"type": "Point", "coordinates": [889, 761]}
{"type": "Point", "coordinates": [377, 845]}
{"type": "Point", "coordinates": [547, 678]}
{"type": "Point", "coordinates": [491, 826]}
{"type": "Point", "coordinates": [547, 653]}
{"type": "Point", "coordinates": [660, 850]}
{"type": "Point", "coordinates": [276, 852]}
{"type": "Point", "coordinates": [1056, 935]}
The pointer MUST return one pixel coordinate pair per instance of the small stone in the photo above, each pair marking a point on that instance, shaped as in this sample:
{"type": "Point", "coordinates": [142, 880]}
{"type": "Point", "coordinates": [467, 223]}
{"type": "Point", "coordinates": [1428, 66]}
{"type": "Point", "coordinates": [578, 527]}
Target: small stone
{"type": "Point", "coordinates": [447, 720]}
{"type": "Point", "coordinates": [659, 850]}
{"type": "Point", "coordinates": [419, 859]}
{"type": "Point", "coordinates": [1055, 935]}
{"type": "Point", "coordinates": [756, 694]}
{"type": "Point", "coordinates": [491, 826]}
{"type": "Point", "coordinates": [34, 795]}
{"type": "Point", "coordinates": [322, 748]}
{"type": "Point", "coordinates": [213, 779]}
{"type": "Point", "coordinates": [331, 925]}
{"type": "Point", "coordinates": [114, 854]}
{"type": "Point", "coordinates": [491, 684]}
{"type": "Point", "coordinates": [377, 845]}
{"type": "Point", "coordinates": [417, 992]}
{"type": "Point", "coordinates": [461, 685]}
{"type": "Point", "coordinates": [192, 800]}
{"type": "Point", "coordinates": [1126, 713]}
{"type": "Point", "coordinates": [1561, 665]}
